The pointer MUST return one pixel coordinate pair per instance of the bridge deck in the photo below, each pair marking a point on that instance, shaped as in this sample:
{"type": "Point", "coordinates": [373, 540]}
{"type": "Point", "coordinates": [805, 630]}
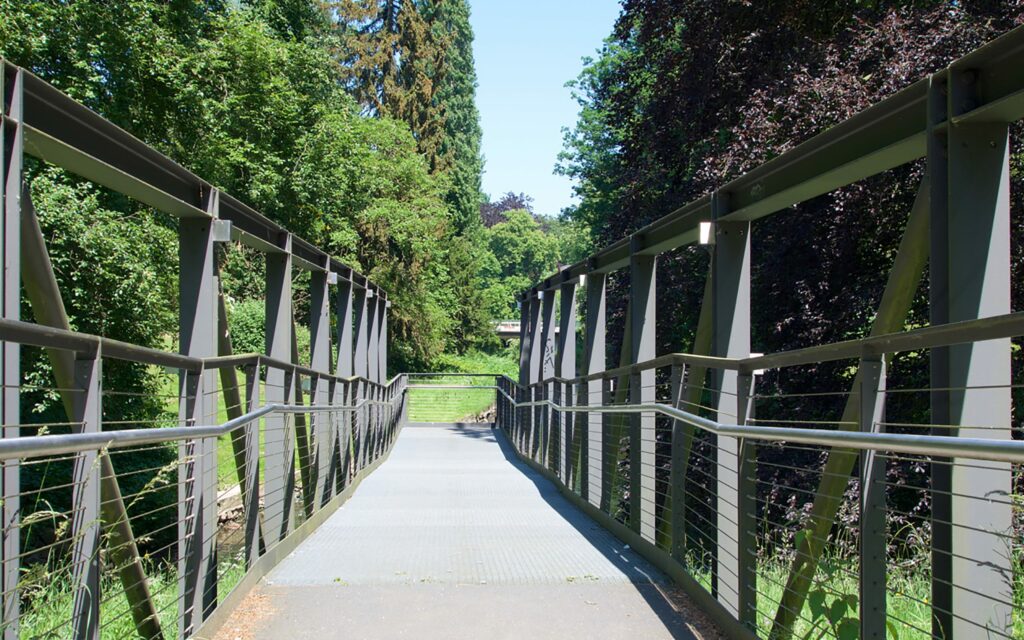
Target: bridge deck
{"type": "Point", "coordinates": [454, 538]}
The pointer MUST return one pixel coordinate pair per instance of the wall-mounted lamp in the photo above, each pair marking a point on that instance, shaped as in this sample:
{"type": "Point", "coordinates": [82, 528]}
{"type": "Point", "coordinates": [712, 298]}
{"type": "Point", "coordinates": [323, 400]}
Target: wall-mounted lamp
{"type": "Point", "coordinates": [332, 278]}
{"type": "Point", "coordinates": [706, 233]}
{"type": "Point", "coordinates": [583, 281]}
{"type": "Point", "coordinates": [540, 295]}
{"type": "Point", "coordinates": [369, 293]}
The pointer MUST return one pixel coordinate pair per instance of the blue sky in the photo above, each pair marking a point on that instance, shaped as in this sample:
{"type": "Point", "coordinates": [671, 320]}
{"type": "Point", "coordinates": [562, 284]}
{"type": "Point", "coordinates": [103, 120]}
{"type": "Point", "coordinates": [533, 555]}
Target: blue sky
{"type": "Point", "coordinates": [525, 51]}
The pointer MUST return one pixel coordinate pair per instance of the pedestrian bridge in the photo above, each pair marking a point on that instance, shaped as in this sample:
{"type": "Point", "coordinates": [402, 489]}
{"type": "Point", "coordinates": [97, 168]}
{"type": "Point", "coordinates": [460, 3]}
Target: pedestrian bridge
{"type": "Point", "coordinates": [469, 542]}
{"type": "Point", "coordinates": [867, 488]}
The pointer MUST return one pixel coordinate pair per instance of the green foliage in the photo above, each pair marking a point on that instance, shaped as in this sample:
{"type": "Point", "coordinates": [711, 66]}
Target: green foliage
{"type": "Point", "coordinates": [504, 361]}
{"type": "Point", "coordinates": [521, 254]}
{"type": "Point", "coordinates": [117, 274]}
{"type": "Point", "coordinates": [252, 98]}
{"type": "Point", "coordinates": [247, 321]}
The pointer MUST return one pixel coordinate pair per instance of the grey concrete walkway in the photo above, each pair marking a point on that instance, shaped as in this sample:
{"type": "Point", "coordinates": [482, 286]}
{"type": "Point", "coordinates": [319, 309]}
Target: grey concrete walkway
{"type": "Point", "coordinates": [453, 538]}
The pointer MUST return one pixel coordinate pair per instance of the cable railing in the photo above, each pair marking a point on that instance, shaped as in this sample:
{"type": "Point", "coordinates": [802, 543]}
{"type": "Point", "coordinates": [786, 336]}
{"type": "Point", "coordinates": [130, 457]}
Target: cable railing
{"type": "Point", "coordinates": [207, 503]}
{"type": "Point", "coordinates": [451, 397]}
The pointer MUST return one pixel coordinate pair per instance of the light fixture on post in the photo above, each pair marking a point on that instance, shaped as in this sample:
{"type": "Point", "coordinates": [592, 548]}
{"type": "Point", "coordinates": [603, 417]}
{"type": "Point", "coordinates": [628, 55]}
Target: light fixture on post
{"type": "Point", "coordinates": [707, 236]}
{"type": "Point", "coordinates": [222, 230]}
{"type": "Point", "coordinates": [583, 281]}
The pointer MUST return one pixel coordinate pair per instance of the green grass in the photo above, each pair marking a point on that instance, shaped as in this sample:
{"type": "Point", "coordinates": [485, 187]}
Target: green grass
{"type": "Point", "coordinates": [453, 405]}
{"type": "Point", "coordinates": [225, 452]}
{"type": "Point", "coordinates": [449, 405]}
{"type": "Point", "coordinates": [832, 608]}
{"type": "Point", "coordinates": [46, 613]}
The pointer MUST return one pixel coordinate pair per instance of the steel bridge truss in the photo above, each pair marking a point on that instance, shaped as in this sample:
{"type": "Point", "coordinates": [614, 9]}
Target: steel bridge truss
{"type": "Point", "coordinates": [957, 120]}
{"type": "Point", "coordinates": [292, 459]}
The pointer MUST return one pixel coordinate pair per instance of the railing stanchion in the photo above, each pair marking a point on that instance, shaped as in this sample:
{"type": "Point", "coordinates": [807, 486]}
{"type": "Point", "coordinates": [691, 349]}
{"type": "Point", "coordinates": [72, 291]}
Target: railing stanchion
{"type": "Point", "coordinates": [603, 462]}
{"type": "Point", "coordinates": [198, 338]}
{"type": "Point", "coordinates": [677, 474]}
{"type": "Point", "coordinates": [970, 278]}
{"type": "Point", "coordinates": [872, 504]}
{"type": "Point", "coordinates": [11, 159]}
{"type": "Point", "coordinates": [320, 432]}
{"type": "Point", "coordinates": [252, 468]}
{"type": "Point", "coordinates": [280, 383]}
{"type": "Point", "coordinates": [85, 521]}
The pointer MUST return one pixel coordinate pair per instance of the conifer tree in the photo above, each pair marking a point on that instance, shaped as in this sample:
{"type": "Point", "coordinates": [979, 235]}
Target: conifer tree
{"type": "Point", "coordinates": [457, 93]}
{"type": "Point", "coordinates": [394, 62]}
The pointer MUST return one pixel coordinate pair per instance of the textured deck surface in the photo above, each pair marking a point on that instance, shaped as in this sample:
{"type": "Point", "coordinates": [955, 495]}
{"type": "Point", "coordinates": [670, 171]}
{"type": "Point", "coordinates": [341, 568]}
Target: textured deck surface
{"type": "Point", "coordinates": [453, 538]}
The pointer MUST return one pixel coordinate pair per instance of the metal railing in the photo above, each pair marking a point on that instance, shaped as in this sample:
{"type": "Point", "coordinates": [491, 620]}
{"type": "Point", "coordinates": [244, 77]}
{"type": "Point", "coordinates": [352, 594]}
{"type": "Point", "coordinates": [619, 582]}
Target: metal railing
{"type": "Point", "coordinates": [451, 397]}
{"type": "Point", "coordinates": [140, 485]}
{"type": "Point", "coordinates": [203, 499]}
{"type": "Point", "coordinates": [728, 504]}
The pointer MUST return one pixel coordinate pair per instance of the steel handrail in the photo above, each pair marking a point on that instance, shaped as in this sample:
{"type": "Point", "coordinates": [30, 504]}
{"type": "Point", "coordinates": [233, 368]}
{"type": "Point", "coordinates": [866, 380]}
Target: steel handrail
{"type": "Point", "coordinates": [59, 444]}
{"type": "Point", "coordinates": [925, 445]}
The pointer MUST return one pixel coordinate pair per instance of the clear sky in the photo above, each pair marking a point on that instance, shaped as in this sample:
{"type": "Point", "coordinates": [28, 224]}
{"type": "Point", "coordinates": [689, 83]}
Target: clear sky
{"type": "Point", "coordinates": [525, 51]}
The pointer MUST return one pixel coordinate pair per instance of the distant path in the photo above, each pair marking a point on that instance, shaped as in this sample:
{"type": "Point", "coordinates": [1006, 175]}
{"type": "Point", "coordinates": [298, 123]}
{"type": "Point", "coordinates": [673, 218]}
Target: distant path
{"type": "Point", "coordinates": [454, 538]}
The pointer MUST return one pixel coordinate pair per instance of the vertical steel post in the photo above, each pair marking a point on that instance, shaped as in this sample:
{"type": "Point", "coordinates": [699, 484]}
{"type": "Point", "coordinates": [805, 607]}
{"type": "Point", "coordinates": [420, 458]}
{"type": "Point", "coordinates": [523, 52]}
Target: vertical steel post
{"type": "Point", "coordinates": [382, 349]}
{"type": "Point", "coordinates": [320, 361]}
{"type": "Point", "coordinates": [596, 362]}
{"type": "Point", "coordinates": [606, 471]}
{"type": "Point", "coordinates": [360, 368]}
{"type": "Point", "coordinates": [11, 148]}
{"type": "Point", "coordinates": [547, 371]}
{"type": "Point", "coordinates": [566, 367]}
{"type": "Point", "coordinates": [524, 366]}
{"type": "Point", "coordinates": [372, 330]}
{"type": "Point", "coordinates": [677, 477]}
{"type": "Point", "coordinates": [373, 346]}
{"type": "Point", "coordinates": [343, 369]}
{"type": "Point", "coordinates": [872, 504]}
{"type": "Point", "coordinates": [198, 289]}
{"type": "Point", "coordinates": [731, 339]}
{"type": "Point", "coordinates": [85, 521]}
{"type": "Point", "coordinates": [532, 391]}
{"type": "Point", "coordinates": [252, 468]}
{"type": "Point", "coordinates": [279, 436]}
{"type": "Point", "coordinates": [643, 306]}
{"type": "Point", "coordinates": [970, 278]}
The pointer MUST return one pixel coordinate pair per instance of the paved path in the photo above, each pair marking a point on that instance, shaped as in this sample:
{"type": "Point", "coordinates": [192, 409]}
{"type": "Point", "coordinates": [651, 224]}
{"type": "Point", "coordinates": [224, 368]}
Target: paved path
{"type": "Point", "coordinates": [452, 537]}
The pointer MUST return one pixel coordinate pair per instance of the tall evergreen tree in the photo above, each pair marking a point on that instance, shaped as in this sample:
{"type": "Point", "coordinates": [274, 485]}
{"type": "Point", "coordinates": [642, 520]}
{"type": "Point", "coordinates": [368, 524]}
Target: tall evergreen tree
{"type": "Point", "coordinates": [394, 62]}
{"type": "Point", "coordinates": [457, 93]}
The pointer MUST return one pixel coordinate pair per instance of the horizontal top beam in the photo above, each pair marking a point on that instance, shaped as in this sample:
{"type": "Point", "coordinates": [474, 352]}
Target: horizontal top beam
{"type": "Point", "coordinates": [66, 133]}
{"type": "Point", "coordinates": [886, 135]}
